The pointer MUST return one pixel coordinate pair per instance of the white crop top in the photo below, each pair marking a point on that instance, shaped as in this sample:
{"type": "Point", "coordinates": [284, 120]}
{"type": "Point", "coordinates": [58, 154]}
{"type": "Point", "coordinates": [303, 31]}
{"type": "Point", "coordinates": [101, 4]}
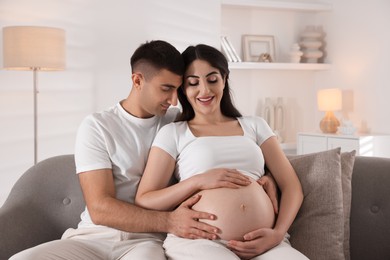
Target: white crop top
{"type": "Point", "coordinates": [195, 155]}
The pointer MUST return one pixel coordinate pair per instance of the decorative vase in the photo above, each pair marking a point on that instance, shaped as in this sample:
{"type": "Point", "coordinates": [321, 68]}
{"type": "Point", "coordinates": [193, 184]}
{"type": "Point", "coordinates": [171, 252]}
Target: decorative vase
{"type": "Point", "coordinates": [295, 53]}
{"type": "Point", "coordinates": [323, 45]}
{"type": "Point", "coordinates": [311, 44]}
{"type": "Point", "coordinates": [279, 119]}
{"type": "Point", "coordinates": [269, 113]}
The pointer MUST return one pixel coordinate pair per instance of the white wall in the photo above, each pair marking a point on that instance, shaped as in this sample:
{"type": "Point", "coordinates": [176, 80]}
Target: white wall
{"type": "Point", "coordinates": [360, 54]}
{"type": "Point", "coordinates": [65, 97]}
{"type": "Point", "coordinates": [101, 38]}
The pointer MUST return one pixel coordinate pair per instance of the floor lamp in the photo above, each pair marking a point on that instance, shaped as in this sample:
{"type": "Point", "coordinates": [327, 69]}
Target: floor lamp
{"type": "Point", "coordinates": [37, 49]}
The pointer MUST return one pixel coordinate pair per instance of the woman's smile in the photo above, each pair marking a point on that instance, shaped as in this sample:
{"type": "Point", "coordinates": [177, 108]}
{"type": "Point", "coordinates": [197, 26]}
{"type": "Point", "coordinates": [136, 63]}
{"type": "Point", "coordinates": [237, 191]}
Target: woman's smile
{"type": "Point", "coordinates": [205, 100]}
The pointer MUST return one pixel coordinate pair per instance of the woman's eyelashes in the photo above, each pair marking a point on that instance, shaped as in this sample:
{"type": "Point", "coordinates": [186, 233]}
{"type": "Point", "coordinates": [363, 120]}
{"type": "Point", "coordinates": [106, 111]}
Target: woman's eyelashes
{"type": "Point", "coordinates": [195, 82]}
{"type": "Point", "coordinates": [212, 79]}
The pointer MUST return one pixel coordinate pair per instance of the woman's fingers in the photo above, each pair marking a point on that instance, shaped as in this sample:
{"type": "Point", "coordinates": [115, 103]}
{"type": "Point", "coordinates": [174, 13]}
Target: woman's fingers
{"type": "Point", "coordinates": [235, 177]}
{"type": "Point", "coordinates": [222, 178]}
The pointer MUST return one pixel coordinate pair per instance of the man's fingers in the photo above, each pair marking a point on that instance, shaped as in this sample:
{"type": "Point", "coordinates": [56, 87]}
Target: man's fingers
{"type": "Point", "coordinates": [275, 204]}
{"type": "Point", "coordinates": [191, 201]}
{"type": "Point", "coordinates": [199, 233]}
{"type": "Point", "coordinates": [206, 227]}
{"type": "Point", "coordinates": [270, 188]}
{"type": "Point", "coordinates": [202, 229]}
{"type": "Point", "coordinates": [203, 215]}
{"type": "Point", "coordinates": [198, 228]}
{"type": "Point", "coordinates": [261, 181]}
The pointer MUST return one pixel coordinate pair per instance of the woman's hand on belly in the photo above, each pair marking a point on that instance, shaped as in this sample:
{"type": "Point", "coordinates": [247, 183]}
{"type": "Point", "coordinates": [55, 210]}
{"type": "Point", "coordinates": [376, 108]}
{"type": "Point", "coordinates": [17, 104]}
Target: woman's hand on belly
{"type": "Point", "coordinates": [238, 211]}
{"type": "Point", "coordinates": [255, 243]}
{"type": "Point", "coordinates": [220, 178]}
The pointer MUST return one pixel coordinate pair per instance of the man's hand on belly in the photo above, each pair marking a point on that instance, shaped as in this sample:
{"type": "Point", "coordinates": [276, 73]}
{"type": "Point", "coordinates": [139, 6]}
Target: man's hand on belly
{"type": "Point", "coordinates": [271, 188]}
{"type": "Point", "coordinates": [183, 222]}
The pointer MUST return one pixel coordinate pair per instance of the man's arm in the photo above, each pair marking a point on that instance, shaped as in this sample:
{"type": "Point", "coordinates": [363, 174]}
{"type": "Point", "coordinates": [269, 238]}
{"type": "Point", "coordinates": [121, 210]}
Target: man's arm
{"type": "Point", "coordinates": [99, 194]}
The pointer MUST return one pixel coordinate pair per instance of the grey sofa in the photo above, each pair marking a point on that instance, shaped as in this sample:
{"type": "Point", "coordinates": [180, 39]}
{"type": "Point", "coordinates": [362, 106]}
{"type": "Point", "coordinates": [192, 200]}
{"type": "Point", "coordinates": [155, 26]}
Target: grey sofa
{"type": "Point", "coordinates": [43, 203]}
{"type": "Point", "coordinates": [47, 200]}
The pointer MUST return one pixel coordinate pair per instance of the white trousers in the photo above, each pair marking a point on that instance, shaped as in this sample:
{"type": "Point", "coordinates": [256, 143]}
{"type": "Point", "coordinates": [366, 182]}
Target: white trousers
{"type": "Point", "coordinates": [98, 243]}
{"type": "Point", "coordinates": [177, 248]}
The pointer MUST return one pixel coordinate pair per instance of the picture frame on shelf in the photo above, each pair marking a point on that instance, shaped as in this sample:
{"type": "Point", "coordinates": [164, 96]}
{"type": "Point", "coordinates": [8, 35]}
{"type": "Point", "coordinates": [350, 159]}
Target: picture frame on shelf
{"type": "Point", "coordinates": [256, 47]}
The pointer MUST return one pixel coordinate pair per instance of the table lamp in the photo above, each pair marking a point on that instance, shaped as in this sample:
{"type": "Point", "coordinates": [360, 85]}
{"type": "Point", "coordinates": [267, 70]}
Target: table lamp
{"type": "Point", "coordinates": [329, 100]}
{"type": "Point", "coordinates": [37, 49]}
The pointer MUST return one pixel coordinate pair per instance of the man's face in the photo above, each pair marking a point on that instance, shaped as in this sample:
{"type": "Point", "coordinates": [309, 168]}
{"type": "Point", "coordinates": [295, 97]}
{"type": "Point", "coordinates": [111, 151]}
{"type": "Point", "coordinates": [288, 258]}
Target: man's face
{"type": "Point", "coordinates": [159, 92]}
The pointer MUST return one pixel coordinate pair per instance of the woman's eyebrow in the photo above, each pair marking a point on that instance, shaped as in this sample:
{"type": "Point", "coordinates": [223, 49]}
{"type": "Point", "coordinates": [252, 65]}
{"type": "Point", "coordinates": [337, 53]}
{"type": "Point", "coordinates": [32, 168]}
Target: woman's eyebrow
{"type": "Point", "coordinates": [192, 76]}
{"type": "Point", "coordinates": [212, 73]}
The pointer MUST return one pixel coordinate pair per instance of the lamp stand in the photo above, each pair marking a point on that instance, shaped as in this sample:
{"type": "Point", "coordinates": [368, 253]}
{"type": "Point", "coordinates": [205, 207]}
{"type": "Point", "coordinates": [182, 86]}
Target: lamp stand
{"type": "Point", "coordinates": [34, 48]}
{"type": "Point", "coordinates": [329, 123]}
{"type": "Point", "coordinates": [35, 70]}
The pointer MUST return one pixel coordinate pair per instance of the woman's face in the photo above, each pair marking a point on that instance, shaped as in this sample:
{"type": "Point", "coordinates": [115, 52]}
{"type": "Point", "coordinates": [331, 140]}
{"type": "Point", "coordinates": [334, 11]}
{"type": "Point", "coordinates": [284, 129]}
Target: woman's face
{"type": "Point", "coordinates": [203, 86]}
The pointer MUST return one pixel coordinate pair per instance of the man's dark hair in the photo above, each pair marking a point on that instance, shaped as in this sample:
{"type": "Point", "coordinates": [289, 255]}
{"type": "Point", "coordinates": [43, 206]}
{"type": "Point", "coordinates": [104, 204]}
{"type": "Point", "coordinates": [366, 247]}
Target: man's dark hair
{"type": "Point", "coordinates": [153, 56]}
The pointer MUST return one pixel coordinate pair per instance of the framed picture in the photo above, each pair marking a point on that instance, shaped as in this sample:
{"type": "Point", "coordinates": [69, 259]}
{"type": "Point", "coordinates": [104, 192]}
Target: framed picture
{"type": "Point", "coordinates": [258, 48]}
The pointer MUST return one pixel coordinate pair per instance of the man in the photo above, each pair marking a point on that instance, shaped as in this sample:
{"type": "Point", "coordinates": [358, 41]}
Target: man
{"type": "Point", "coordinates": [111, 152]}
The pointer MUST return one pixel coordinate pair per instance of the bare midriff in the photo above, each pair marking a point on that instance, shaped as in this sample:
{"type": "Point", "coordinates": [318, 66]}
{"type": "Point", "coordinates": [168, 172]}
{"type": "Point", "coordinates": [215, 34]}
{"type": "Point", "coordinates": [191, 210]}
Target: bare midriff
{"type": "Point", "coordinates": [238, 211]}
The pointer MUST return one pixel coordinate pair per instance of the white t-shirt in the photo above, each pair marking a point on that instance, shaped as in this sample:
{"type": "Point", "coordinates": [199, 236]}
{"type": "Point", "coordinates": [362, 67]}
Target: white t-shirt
{"type": "Point", "coordinates": [195, 155]}
{"type": "Point", "coordinates": [114, 139]}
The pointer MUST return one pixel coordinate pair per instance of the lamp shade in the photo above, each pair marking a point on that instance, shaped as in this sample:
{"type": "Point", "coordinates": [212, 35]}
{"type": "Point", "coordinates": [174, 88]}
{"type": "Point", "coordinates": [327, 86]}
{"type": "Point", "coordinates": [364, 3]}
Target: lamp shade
{"type": "Point", "coordinates": [329, 99]}
{"type": "Point", "coordinates": [33, 47]}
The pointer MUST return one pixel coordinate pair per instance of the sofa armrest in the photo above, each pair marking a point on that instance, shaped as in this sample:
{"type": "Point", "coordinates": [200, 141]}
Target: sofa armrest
{"type": "Point", "coordinates": [44, 202]}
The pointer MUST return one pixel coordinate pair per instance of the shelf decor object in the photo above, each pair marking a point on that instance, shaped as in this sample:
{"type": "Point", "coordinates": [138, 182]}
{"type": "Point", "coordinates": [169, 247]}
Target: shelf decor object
{"type": "Point", "coordinates": [295, 53]}
{"type": "Point", "coordinates": [298, 8]}
{"type": "Point", "coordinates": [329, 100]}
{"type": "Point", "coordinates": [36, 49]}
{"type": "Point", "coordinates": [229, 51]}
{"type": "Point", "coordinates": [311, 44]}
{"type": "Point", "coordinates": [269, 112]}
{"type": "Point", "coordinates": [279, 119]}
{"type": "Point", "coordinates": [256, 47]}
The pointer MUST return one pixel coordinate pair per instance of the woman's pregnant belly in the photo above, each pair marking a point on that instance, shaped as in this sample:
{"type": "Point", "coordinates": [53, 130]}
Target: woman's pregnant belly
{"type": "Point", "coordinates": [238, 211]}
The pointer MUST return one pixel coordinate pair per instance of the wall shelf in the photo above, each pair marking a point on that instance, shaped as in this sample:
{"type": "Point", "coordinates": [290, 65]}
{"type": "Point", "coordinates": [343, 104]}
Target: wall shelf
{"type": "Point", "coordinates": [282, 5]}
{"type": "Point", "coordinates": [279, 66]}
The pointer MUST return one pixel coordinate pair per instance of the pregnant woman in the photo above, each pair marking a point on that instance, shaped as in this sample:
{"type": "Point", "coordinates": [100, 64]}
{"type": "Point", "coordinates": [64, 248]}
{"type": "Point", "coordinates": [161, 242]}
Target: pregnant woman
{"type": "Point", "coordinates": [215, 152]}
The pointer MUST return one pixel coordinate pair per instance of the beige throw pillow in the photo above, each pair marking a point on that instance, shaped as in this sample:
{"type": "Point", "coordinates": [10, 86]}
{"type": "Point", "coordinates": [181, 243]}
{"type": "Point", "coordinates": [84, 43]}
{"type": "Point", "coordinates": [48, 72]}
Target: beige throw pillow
{"type": "Point", "coordinates": [347, 162]}
{"type": "Point", "coordinates": [318, 230]}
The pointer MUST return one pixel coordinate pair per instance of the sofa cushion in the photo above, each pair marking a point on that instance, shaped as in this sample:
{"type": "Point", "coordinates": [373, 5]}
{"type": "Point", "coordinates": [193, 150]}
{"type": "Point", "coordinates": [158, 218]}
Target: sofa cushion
{"type": "Point", "coordinates": [347, 163]}
{"type": "Point", "coordinates": [318, 230]}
